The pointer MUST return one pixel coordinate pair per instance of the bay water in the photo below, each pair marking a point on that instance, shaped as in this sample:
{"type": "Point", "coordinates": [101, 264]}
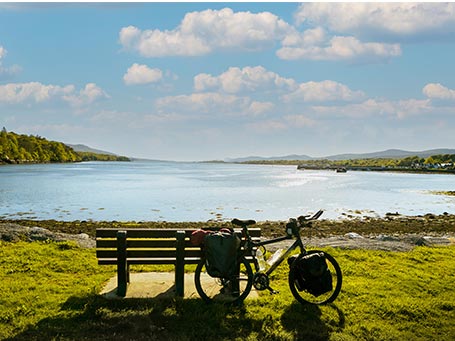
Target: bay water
{"type": "Point", "coordinates": [190, 191]}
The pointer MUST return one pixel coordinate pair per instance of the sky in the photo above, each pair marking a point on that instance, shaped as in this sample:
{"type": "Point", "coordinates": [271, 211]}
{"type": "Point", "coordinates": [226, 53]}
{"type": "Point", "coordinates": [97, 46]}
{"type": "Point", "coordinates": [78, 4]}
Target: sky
{"type": "Point", "coordinates": [204, 81]}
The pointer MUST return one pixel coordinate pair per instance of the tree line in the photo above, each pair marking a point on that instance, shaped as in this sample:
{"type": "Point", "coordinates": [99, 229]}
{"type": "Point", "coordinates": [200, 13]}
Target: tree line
{"type": "Point", "coordinates": [440, 161]}
{"type": "Point", "coordinates": [16, 148]}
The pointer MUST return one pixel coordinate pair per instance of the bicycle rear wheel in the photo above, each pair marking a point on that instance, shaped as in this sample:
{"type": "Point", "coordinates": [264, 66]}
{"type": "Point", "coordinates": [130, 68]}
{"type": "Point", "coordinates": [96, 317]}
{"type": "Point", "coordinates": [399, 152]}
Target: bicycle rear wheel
{"type": "Point", "coordinates": [304, 296]}
{"type": "Point", "coordinates": [226, 290]}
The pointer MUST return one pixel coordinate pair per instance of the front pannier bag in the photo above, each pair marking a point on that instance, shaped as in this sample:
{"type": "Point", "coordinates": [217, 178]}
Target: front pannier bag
{"type": "Point", "coordinates": [313, 274]}
{"type": "Point", "coordinates": [221, 254]}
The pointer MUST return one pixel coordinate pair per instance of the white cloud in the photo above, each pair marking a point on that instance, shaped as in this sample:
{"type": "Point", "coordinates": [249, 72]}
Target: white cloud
{"type": "Point", "coordinates": [337, 48]}
{"type": "Point", "coordinates": [268, 126]}
{"type": "Point", "coordinates": [200, 33]}
{"type": "Point", "coordinates": [86, 96]}
{"type": "Point", "coordinates": [280, 124]}
{"type": "Point", "coordinates": [214, 104]}
{"type": "Point", "coordinates": [154, 43]}
{"type": "Point", "coordinates": [134, 120]}
{"type": "Point", "coordinates": [161, 118]}
{"type": "Point", "coordinates": [411, 107]}
{"type": "Point", "coordinates": [7, 71]}
{"type": "Point", "coordinates": [323, 92]}
{"type": "Point", "coordinates": [438, 91]}
{"type": "Point", "coordinates": [142, 74]}
{"type": "Point", "coordinates": [299, 121]}
{"type": "Point", "coordinates": [33, 91]}
{"type": "Point", "coordinates": [372, 108]}
{"type": "Point", "coordinates": [236, 80]}
{"type": "Point", "coordinates": [312, 36]}
{"type": "Point", "coordinates": [258, 108]}
{"type": "Point", "coordinates": [380, 18]}
{"type": "Point", "coordinates": [39, 93]}
{"type": "Point", "coordinates": [129, 36]}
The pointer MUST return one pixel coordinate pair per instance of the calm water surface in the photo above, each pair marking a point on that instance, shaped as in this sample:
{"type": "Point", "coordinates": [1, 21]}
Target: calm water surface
{"type": "Point", "coordinates": [201, 191]}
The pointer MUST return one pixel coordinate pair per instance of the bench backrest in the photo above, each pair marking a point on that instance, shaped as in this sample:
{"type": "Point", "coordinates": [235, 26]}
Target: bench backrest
{"type": "Point", "coordinates": [150, 246]}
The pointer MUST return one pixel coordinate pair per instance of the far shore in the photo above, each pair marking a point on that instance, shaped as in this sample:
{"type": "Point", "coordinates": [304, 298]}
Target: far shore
{"type": "Point", "coordinates": [282, 163]}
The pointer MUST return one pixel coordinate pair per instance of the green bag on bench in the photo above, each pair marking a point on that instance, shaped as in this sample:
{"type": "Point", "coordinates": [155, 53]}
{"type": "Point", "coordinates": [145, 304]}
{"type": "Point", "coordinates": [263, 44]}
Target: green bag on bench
{"type": "Point", "coordinates": [221, 254]}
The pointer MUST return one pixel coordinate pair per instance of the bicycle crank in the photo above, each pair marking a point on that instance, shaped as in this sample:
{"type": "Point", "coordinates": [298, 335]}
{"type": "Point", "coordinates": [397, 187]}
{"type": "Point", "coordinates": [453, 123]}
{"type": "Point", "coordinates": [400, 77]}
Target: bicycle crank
{"type": "Point", "coordinates": [261, 282]}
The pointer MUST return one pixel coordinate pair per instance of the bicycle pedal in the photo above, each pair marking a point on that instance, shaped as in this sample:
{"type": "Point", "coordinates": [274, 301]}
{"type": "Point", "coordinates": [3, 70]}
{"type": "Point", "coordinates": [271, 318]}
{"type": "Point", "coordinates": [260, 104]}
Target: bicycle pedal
{"type": "Point", "coordinates": [272, 291]}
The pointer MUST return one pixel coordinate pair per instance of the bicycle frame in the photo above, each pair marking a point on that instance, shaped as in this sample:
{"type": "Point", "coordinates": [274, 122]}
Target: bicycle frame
{"type": "Point", "coordinates": [297, 244]}
{"type": "Point", "coordinates": [316, 291]}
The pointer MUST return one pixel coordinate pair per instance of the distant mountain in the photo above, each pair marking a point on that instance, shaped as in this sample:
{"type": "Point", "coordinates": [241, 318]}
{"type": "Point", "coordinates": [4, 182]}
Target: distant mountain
{"type": "Point", "coordinates": [261, 158]}
{"type": "Point", "coordinates": [85, 149]}
{"type": "Point", "coordinates": [386, 154]}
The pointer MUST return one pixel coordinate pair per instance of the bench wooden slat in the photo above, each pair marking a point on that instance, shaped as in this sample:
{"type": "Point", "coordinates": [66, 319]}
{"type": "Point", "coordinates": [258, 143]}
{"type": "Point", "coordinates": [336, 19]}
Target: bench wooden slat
{"type": "Point", "coordinates": [149, 261]}
{"type": "Point", "coordinates": [155, 261]}
{"type": "Point", "coordinates": [158, 233]}
{"type": "Point", "coordinates": [143, 243]}
{"type": "Point", "coordinates": [151, 253]}
{"type": "Point", "coordinates": [137, 243]}
{"type": "Point", "coordinates": [137, 233]}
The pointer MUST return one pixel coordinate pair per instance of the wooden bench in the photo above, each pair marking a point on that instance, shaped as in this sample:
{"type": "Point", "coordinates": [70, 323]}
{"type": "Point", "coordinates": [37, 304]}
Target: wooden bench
{"type": "Point", "coordinates": [130, 246]}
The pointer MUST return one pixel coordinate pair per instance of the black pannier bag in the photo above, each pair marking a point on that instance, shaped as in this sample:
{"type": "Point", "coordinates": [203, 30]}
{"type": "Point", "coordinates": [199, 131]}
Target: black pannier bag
{"type": "Point", "coordinates": [221, 254]}
{"type": "Point", "coordinates": [312, 273]}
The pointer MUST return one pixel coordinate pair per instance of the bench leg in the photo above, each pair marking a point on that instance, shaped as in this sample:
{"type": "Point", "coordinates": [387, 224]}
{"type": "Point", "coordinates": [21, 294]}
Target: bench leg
{"type": "Point", "coordinates": [122, 266]}
{"type": "Point", "coordinates": [235, 283]}
{"type": "Point", "coordinates": [180, 264]}
{"type": "Point", "coordinates": [122, 280]}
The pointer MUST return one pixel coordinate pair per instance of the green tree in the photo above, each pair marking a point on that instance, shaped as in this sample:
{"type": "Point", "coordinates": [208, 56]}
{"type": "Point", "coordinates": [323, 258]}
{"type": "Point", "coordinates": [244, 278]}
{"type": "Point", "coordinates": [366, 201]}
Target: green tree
{"type": "Point", "coordinates": [23, 148]}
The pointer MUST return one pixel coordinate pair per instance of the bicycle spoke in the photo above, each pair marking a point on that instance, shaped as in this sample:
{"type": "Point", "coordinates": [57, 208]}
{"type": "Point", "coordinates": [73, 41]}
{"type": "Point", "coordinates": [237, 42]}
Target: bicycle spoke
{"type": "Point", "coordinates": [229, 290]}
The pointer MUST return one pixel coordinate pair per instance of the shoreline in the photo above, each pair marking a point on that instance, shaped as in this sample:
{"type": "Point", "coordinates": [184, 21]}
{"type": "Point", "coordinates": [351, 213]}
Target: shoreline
{"type": "Point", "coordinates": [331, 168]}
{"type": "Point", "coordinates": [355, 221]}
{"type": "Point", "coordinates": [393, 232]}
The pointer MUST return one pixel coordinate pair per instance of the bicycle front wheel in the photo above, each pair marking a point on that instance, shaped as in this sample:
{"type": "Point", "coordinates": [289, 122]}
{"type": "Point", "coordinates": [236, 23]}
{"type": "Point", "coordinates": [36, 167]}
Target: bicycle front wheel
{"type": "Point", "coordinates": [303, 295]}
{"type": "Point", "coordinates": [226, 290]}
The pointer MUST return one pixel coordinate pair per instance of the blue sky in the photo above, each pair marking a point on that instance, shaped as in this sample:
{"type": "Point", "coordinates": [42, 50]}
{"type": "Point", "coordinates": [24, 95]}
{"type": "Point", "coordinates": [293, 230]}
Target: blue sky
{"type": "Point", "coordinates": [202, 81]}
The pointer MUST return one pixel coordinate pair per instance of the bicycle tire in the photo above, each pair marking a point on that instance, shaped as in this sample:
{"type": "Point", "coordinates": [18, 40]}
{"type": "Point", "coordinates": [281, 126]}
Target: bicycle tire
{"type": "Point", "coordinates": [212, 289]}
{"type": "Point", "coordinates": [304, 297]}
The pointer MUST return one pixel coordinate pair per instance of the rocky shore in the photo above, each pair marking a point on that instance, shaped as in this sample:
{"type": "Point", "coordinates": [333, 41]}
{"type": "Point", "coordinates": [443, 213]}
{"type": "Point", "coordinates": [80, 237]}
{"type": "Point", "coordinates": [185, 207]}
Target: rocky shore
{"type": "Point", "coordinates": [12, 232]}
{"type": "Point", "coordinates": [394, 232]}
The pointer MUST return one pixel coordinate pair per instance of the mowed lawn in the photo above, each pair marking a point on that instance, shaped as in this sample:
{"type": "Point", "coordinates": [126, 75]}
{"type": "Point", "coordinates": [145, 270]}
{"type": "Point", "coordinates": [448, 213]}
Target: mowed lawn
{"type": "Point", "coordinates": [49, 291]}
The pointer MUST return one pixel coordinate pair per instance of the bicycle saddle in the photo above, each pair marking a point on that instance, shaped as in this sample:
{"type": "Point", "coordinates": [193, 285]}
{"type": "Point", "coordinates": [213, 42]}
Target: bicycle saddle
{"type": "Point", "coordinates": [239, 222]}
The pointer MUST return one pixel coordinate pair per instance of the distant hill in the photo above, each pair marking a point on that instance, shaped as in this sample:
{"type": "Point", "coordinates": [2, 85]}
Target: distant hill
{"type": "Point", "coordinates": [85, 149]}
{"type": "Point", "coordinates": [386, 154]}
{"type": "Point", "coordinates": [261, 158]}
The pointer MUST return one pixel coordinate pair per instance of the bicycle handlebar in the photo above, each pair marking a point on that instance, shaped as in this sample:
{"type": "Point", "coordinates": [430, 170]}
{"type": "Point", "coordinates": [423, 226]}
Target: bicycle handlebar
{"type": "Point", "coordinates": [303, 219]}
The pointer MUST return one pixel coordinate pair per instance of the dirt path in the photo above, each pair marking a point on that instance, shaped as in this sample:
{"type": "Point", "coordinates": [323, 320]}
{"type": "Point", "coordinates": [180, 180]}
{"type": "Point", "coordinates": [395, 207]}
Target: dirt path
{"type": "Point", "coordinates": [353, 240]}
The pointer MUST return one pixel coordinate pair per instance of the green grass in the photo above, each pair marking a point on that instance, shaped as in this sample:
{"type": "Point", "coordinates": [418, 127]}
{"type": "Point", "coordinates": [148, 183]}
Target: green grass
{"type": "Point", "coordinates": [48, 291]}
